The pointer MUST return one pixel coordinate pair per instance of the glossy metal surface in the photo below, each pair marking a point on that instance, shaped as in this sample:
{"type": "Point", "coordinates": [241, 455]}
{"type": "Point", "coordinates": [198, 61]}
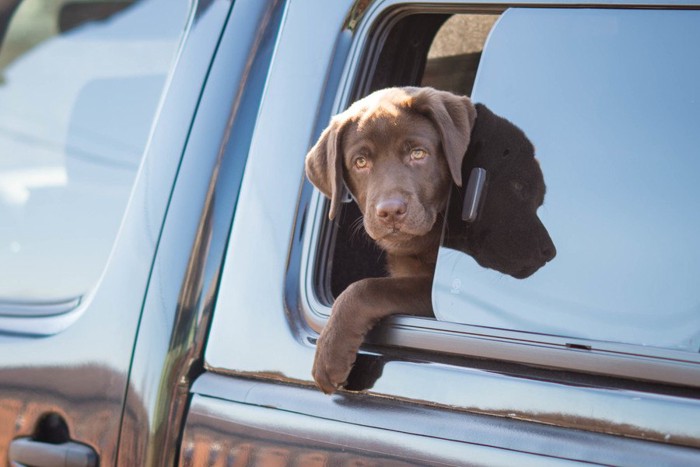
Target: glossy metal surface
{"type": "Point", "coordinates": [251, 412]}
{"type": "Point", "coordinates": [243, 421]}
{"type": "Point", "coordinates": [250, 310]}
{"type": "Point", "coordinates": [247, 435]}
{"type": "Point", "coordinates": [81, 373]}
{"type": "Point", "coordinates": [195, 234]}
{"type": "Point", "coordinates": [25, 451]}
{"type": "Point", "coordinates": [76, 110]}
{"type": "Point", "coordinates": [250, 338]}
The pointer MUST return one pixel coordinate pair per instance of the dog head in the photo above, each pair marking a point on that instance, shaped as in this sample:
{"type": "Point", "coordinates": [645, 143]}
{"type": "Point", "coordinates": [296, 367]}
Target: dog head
{"type": "Point", "coordinates": [397, 152]}
{"type": "Point", "coordinates": [507, 235]}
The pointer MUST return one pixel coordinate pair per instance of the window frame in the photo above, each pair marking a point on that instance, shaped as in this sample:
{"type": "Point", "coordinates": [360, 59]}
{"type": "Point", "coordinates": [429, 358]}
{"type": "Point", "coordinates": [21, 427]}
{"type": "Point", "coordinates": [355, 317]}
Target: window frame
{"type": "Point", "coordinates": [618, 360]}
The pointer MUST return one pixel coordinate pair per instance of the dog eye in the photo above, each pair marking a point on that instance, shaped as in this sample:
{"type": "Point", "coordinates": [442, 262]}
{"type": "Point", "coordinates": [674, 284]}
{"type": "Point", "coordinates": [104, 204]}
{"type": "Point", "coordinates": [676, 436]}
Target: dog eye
{"type": "Point", "coordinates": [418, 154]}
{"type": "Point", "coordinates": [361, 162]}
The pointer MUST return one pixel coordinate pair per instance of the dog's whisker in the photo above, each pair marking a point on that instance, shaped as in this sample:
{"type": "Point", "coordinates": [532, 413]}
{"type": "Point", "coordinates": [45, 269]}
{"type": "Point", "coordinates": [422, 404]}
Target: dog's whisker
{"type": "Point", "coordinates": [357, 223]}
{"type": "Point", "coordinates": [357, 228]}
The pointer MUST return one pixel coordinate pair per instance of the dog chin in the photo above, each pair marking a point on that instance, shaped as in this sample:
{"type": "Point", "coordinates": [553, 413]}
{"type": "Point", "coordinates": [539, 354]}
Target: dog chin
{"type": "Point", "coordinates": [393, 239]}
{"type": "Point", "coordinates": [407, 243]}
{"type": "Point", "coordinates": [396, 235]}
{"type": "Point", "coordinates": [518, 270]}
{"type": "Point", "coordinates": [525, 271]}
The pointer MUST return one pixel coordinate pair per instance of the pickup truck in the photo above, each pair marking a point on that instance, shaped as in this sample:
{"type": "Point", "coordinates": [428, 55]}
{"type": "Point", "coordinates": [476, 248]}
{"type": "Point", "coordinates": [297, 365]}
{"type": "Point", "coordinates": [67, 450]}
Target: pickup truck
{"type": "Point", "coordinates": [165, 268]}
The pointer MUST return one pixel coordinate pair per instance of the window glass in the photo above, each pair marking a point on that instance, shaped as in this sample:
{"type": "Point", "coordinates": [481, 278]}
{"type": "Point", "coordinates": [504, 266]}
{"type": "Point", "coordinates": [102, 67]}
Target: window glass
{"type": "Point", "coordinates": [610, 99]}
{"type": "Point", "coordinates": [80, 82]}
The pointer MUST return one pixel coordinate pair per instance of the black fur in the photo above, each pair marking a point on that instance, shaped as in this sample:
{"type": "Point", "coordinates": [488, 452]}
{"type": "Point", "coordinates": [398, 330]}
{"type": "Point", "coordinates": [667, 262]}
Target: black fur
{"type": "Point", "coordinates": [507, 235]}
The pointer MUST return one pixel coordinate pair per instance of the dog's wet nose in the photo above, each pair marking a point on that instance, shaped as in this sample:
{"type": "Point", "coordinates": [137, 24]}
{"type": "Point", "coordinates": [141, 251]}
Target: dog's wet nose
{"type": "Point", "coordinates": [391, 210]}
{"type": "Point", "coordinates": [548, 252]}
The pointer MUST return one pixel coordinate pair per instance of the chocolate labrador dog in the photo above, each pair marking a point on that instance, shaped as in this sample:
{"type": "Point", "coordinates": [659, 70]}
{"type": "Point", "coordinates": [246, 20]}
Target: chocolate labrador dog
{"type": "Point", "coordinates": [399, 152]}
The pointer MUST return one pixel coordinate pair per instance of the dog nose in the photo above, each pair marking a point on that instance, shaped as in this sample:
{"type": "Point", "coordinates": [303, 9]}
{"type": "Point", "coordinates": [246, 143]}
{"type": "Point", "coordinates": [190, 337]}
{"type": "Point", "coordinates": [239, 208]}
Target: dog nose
{"type": "Point", "coordinates": [548, 252]}
{"type": "Point", "coordinates": [391, 210]}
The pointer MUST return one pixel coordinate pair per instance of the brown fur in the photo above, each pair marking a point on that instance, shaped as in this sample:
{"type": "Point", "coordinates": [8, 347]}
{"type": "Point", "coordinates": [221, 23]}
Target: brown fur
{"type": "Point", "coordinates": [398, 151]}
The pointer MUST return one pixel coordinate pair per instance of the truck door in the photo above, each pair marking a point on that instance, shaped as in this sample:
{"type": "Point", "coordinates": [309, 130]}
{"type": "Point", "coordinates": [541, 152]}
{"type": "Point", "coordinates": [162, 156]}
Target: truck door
{"type": "Point", "coordinates": [96, 101]}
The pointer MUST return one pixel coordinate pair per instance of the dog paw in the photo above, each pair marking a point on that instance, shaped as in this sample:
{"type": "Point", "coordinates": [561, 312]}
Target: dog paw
{"type": "Point", "coordinates": [332, 363]}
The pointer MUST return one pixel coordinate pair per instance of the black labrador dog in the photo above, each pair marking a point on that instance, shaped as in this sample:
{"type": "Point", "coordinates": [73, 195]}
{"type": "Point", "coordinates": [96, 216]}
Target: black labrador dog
{"type": "Point", "coordinates": [400, 152]}
{"type": "Point", "coordinates": [506, 234]}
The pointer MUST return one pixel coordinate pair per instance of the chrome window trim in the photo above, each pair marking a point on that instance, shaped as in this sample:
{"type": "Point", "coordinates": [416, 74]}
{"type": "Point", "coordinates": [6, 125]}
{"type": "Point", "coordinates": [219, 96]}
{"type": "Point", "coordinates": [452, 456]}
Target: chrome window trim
{"type": "Point", "coordinates": [596, 357]}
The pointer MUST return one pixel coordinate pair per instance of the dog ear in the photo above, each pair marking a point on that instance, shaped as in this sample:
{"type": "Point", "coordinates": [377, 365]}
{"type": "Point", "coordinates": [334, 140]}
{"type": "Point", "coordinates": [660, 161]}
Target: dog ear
{"type": "Point", "coordinates": [454, 118]}
{"type": "Point", "coordinates": [324, 165]}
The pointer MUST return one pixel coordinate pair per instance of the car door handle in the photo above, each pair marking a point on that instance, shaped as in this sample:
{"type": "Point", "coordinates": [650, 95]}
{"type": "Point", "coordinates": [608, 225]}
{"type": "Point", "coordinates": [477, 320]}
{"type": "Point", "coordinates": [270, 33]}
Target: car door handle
{"type": "Point", "coordinates": [28, 452]}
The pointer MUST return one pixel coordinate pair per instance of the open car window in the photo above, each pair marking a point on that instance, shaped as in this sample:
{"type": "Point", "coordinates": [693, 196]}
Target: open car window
{"type": "Point", "coordinates": [610, 99]}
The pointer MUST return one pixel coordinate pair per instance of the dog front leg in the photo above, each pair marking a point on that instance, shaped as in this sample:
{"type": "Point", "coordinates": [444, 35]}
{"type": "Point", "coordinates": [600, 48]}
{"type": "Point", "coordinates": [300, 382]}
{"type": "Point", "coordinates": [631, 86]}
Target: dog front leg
{"type": "Point", "coordinates": [355, 312]}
